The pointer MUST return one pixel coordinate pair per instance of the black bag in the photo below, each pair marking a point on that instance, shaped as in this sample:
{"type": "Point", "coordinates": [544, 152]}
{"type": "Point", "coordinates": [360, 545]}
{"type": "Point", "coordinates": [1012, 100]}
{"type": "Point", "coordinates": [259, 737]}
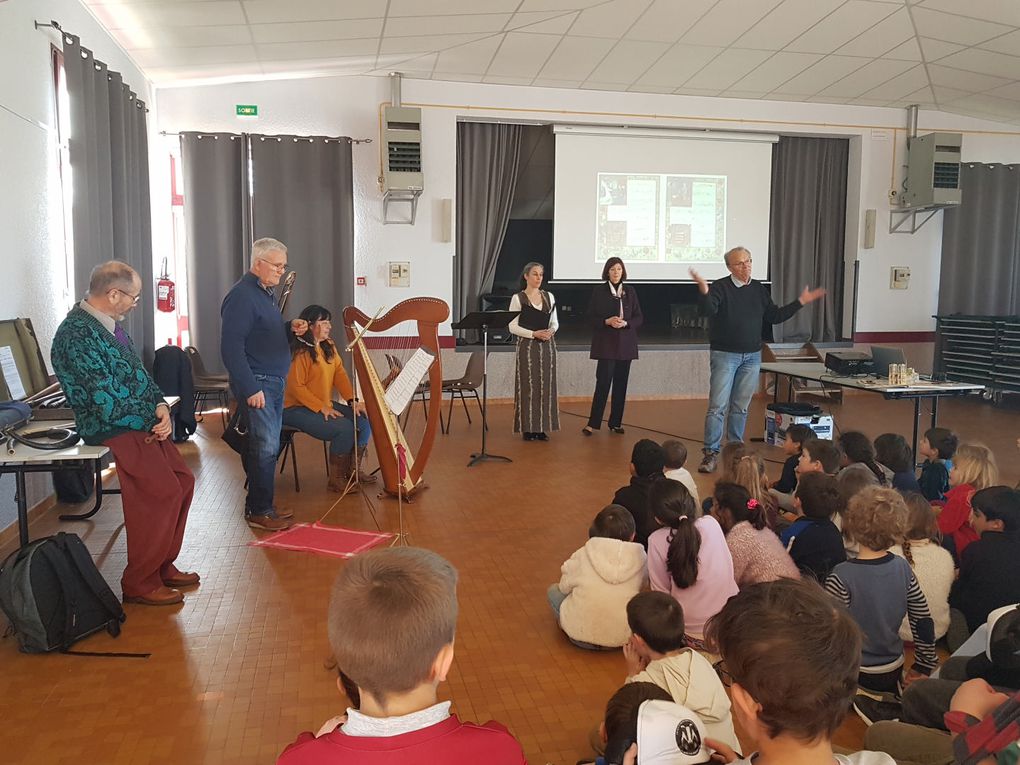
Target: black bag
{"type": "Point", "coordinates": [53, 595]}
{"type": "Point", "coordinates": [236, 433]}
{"type": "Point", "coordinates": [74, 485]}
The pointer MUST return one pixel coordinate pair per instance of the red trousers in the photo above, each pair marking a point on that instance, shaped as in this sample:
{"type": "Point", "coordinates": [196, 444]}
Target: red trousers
{"type": "Point", "coordinates": [156, 488]}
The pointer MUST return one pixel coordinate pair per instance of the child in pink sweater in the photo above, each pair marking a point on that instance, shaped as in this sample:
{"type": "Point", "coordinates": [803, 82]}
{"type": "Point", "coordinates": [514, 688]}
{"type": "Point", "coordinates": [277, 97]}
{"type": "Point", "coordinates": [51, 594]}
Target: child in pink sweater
{"type": "Point", "coordinates": [758, 555]}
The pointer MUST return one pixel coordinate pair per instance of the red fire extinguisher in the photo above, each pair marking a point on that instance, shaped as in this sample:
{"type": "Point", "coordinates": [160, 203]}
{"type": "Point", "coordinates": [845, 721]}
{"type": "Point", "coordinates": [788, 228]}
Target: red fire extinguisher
{"type": "Point", "coordinates": [165, 300]}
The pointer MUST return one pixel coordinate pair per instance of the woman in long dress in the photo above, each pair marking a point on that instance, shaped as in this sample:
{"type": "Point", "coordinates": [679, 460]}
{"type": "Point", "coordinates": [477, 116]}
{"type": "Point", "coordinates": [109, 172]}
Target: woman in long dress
{"type": "Point", "coordinates": [536, 407]}
{"type": "Point", "coordinates": [615, 315]}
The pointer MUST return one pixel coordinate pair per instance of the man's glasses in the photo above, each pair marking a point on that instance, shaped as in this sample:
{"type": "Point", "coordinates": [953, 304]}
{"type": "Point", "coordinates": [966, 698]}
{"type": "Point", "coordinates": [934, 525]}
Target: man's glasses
{"type": "Point", "coordinates": [278, 267]}
{"type": "Point", "coordinates": [134, 298]}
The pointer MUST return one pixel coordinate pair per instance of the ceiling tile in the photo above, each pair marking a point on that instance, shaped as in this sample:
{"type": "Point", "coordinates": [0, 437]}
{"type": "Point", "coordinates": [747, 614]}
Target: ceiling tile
{"type": "Point", "coordinates": [749, 94]}
{"type": "Point", "coordinates": [785, 23]}
{"type": "Point", "coordinates": [984, 62]}
{"type": "Point", "coordinates": [943, 93]}
{"type": "Point", "coordinates": [422, 66]}
{"type": "Point", "coordinates": [183, 37]}
{"type": "Point", "coordinates": [841, 26]}
{"type": "Point", "coordinates": [933, 50]}
{"type": "Point", "coordinates": [575, 58]}
{"type": "Point", "coordinates": [217, 54]}
{"type": "Point", "coordinates": [877, 41]}
{"type": "Point", "coordinates": [272, 11]}
{"type": "Point", "coordinates": [169, 76]}
{"type": "Point", "coordinates": [551, 23]}
{"type": "Point", "coordinates": [869, 76]}
{"type": "Point", "coordinates": [667, 20]}
{"type": "Point", "coordinates": [868, 102]}
{"type": "Point", "coordinates": [826, 100]}
{"type": "Point", "coordinates": [318, 49]}
{"type": "Point", "coordinates": [1006, 44]}
{"type": "Point", "coordinates": [957, 29]}
{"type": "Point", "coordinates": [406, 26]}
{"type": "Point", "coordinates": [728, 67]}
{"type": "Point", "coordinates": [998, 11]}
{"type": "Point", "coordinates": [122, 16]}
{"type": "Point", "coordinates": [551, 5]}
{"type": "Point", "coordinates": [969, 81]}
{"type": "Point", "coordinates": [650, 89]}
{"type": "Point", "coordinates": [921, 95]}
{"type": "Point", "coordinates": [495, 79]}
{"type": "Point", "coordinates": [908, 51]}
{"type": "Point", "coordinates": [300, 31]}
{"type": "Point", "coordinates": [980, 102]}
{"type": "Point", "coordinates": [442, 7]}
{"type": "Point", "coordinates": [596, 85]}
{"type": "Point", "coordinates": [611, 19]}
{"type": "Point", "coordinates": [901, 85]}
{"type": "Point", "coordinates": [347, 65]}
{"type": "Point", "coordinates": [453, 77]}
{"type": "Point", "coordinates": [470, 57]}
{"type": "Point", "coordinates": [776, 70]}
{"type": "Point", "coordinates": [628, 61]}
{"type": "Point", "coordinates": [425, 44]}
{"type": "Point", "coordinates": [544, 82]}
{"type": "Point", "coordinates": [1007, 91]}
{"type": "Point", "coordinates": [821, 75]}
{"type": "Point", "coordinates": [678, 64]}
{"type": "Point", "coordinates": [700, 92]}
{"type": "Point", "coordinates": [521, 55]}
{"type": "Point", "coordinates": [726, 21]}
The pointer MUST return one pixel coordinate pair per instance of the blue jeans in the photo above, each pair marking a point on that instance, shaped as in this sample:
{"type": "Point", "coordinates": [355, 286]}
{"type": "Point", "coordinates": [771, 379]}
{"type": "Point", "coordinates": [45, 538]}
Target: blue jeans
{"type": "Point", "coordinates": [732, 382]}
{"type": "Point", "coordinates": [339, 431]}
{"type": "Point", "coordinates": [263, 445]}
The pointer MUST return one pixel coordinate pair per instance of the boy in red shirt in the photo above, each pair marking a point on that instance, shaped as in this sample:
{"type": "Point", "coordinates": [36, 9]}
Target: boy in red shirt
{"type": "Point", "coordinates": [392, 618]}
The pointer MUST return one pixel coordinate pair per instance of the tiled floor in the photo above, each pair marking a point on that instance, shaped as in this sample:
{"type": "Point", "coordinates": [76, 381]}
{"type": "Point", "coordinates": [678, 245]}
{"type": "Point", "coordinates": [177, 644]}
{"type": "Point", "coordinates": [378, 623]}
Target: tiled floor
{"type": "Point", "coordinates": [237, 670]}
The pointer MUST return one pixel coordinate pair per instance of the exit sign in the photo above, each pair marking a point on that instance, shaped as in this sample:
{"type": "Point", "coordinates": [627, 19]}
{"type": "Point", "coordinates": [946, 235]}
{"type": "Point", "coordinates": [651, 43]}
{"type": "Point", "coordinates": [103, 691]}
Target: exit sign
{"type": "Point", "coordinates": [247, 110]}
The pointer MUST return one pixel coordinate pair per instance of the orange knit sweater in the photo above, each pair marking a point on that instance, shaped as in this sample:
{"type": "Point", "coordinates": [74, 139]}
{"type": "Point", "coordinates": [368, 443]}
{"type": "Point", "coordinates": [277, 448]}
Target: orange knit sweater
{"type": "Point", "coordinates": [311, 383]}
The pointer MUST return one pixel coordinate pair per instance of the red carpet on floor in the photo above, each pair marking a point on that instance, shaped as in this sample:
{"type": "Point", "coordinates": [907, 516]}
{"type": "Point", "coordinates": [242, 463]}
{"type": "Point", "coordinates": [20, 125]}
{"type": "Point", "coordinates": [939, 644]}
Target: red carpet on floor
{"type": "Point", "coordinates": [335, 541]}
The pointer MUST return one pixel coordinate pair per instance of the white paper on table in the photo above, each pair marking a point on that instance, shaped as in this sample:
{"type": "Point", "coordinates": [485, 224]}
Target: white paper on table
{"type": "Point", "coordinates": [11, 374]}
{"type": "Point", "coordinates": [401, 391]}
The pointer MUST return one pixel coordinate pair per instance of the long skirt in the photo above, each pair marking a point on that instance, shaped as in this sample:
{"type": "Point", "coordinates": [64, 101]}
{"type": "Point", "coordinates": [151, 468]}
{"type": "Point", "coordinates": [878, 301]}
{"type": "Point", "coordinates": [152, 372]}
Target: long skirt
{"type": "Point", "coordinates": [536, 407]}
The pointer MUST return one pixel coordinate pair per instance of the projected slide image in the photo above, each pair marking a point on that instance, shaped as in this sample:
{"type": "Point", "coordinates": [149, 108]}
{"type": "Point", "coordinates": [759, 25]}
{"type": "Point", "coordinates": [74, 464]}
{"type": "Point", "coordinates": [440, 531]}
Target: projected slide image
{"type": "Point", "coordinates": [660, 218]}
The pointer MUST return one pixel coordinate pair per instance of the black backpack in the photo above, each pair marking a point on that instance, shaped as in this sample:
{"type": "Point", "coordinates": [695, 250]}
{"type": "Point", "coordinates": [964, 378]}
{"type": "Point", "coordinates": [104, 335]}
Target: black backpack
{"type": "Point", "coordinates": [53, 595]}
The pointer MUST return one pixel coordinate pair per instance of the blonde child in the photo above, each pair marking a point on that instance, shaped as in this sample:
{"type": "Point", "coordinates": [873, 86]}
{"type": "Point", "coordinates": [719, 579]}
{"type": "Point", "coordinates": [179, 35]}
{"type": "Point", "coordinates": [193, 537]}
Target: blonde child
{"type": "Point", "coordinates": [973, 469]}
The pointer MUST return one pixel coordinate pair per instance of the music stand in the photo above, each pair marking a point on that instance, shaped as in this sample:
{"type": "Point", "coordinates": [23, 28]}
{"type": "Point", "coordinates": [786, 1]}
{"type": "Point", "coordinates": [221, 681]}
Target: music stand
{"type": "Point", "coordinates": [484, 321]}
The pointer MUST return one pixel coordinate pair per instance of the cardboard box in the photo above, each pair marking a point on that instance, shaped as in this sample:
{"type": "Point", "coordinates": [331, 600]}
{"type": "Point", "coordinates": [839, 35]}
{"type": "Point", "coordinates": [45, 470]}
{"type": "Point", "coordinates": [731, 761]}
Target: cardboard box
{"type": "Point", "coordinates": [776, 424]}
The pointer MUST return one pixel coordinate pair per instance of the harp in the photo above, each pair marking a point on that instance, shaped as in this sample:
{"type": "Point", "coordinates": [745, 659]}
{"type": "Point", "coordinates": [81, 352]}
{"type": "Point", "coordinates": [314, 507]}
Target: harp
{"type": "Point", "coordinates": [402, 471]}
{"type": "Point", "coordinates": [288, 287]}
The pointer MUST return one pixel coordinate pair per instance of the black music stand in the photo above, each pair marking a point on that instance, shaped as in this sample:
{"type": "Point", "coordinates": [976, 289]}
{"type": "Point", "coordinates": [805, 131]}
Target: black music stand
{"type": "Point", "coordinates": [485, 321]}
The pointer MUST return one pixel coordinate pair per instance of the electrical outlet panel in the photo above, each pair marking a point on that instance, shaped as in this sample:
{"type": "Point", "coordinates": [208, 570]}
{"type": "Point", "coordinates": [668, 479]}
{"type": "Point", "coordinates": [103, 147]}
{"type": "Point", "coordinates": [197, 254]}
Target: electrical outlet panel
{"type": "Point", "coordinates": [399, 274]}
{"type": "Point", "coordinates": [899, 278]}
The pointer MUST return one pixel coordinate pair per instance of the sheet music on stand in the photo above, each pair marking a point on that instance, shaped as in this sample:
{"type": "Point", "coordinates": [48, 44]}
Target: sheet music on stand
{"type": "Point", "coordinates": [402, 390]}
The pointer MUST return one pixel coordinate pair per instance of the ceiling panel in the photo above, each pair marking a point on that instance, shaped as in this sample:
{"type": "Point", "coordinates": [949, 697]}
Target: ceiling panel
{"type": "Point", "coordinates": [554, 5]}
{"type": "Point", "coordinates": [727, 20]}
{"type": "Point", "coordinates": [785, 23]}
{"type": "Point", "coordinates": [628, 61]}
{"type": "Point", "coordinates": [185, 37]}
{"type": "Point", "coordinates": [933, 50]}
{"type": "Point", "coordinates": [121, 16]}
{"type": "Point", "coordinates": [869, 76]}
{"type": "Point", "coordinates": [522, 55]}
{"type": "Point", "coordinates": [610, 19]}
{"type": "Point", "coordinates": [984, 62]}
{"type": "Point", "coordinates": [951, 28]}
{"type": "Point", "coordinates": [668, 20]}
{"type": "Point", "coordinates": [776, 70]}
{"type": "Point", "coordinates": [1000, 11]}
{"type": "Point", "coordinates": [969, 81]}
{"type": "Point", "coordinates": [725, 69]}
{"type": "Point", "coordinates": [218, 54]}
{"type": "Point", "coordinates": [575, 58]}
{"type": "Point", "coordinates": [443, 7]}
{"type": "Point", "coordinates": [300, 31]}
{"type": "Point", "coordinates": [820, 75]}
{"type": "Point", "coordinates": [319, 49]}
{"type": "Point", "coordinates": [547, 22]}
{"type": "Point", "coordinates": [406, 26]}
{"type": "Point", "coordinates": [882, 38]}
{"type": "Point", "coordinates": [901, 85]}
{"type": "Point", "coordinates": [1009, 43]}
{"type": "Point", "coordinates": [470, 57]}
{"type": "Point", "coordinates": [425, 44]}
{"type": "Point", "coordinates": [841, 26]}
{"type": "Point", "coordinates": [908, 51]}
{"type": "Point", "coordinates": [272, 11]}
{"type": "Point", "coordinates": [678, 64]}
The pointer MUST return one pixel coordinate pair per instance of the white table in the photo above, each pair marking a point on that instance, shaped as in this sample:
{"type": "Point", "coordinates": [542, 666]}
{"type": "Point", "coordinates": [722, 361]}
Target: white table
{"type": "Point", "coordinates": [925, 389]}
{"type": "Point", "coordinates": [28, 460]}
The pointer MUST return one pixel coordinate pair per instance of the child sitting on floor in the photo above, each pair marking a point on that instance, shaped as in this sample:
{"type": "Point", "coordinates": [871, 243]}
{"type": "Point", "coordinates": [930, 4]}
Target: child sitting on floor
{"type": "Point", "coordinates": [814, 542]}
{"type": "Point", "coordinates": [938, 446]}
{"type": "Point", "coordinates": [796, 435]}
{"type": "Point", "coordinates": [819, 456]}
{"type": "Point", "coordinates": [894, 453]}
{"type": "Point", "coordinates": [750, 473]}
{"type": "Point", "coordinates": [932, 564]}
{"type": "Point", "coordinates": [392, 618]}
{"type": "Point", "coordinates": [790, 658]}
{"type": "Point", "coordinates": [988, 568]}
{"type": "Point", "coordinates": [688, 558]}
{"type": "Point", "coordinates": [676, 458]}
{"type": "Point", "coordinates": [598, 580]}
{"type": "Point", "coordinates": [859, 457]}
{"type": "Point", "coordinates": [880, 589]}
{"type": "Point", "coordinates": [656, 653]}
{"type": "Point", "coordinates": [758, 555]}
{"type": "Point", "coordinates": [973, 469]}
{"type": "Point", "coordinates": [646, 463]}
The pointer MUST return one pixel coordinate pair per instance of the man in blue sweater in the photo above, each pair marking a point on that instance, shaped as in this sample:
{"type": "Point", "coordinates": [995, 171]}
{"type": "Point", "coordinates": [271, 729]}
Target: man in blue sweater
{"type": "Point", "coordinates": [256, 352]}
{"type": "Point", "coordinates": [738, 308]}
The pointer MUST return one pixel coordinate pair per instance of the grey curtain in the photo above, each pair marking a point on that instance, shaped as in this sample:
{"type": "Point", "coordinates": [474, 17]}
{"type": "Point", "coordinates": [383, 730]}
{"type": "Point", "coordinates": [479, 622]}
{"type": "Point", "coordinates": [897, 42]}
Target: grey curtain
{"type": "Point", "coordinates": [110, 165]}
{"type": "Point", "coordinates": [488, 158]}
{"type": "Point", "coordinates": [217, 211]}
{"type": "Point", "coordinates": [981, 244]}
{"type": "Point", "coordinates": [304, 196]}
{"type": "Point", "coordinates": [807, 232]}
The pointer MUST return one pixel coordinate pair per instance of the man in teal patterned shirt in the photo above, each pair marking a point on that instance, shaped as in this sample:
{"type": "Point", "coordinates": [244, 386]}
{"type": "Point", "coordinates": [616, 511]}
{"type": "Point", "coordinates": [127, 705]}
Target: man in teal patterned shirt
{"type": "Point", "coordinates": [117, 404]}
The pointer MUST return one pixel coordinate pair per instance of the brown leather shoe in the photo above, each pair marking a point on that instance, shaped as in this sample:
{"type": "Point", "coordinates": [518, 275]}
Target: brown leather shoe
{"type": "Point", "coordinates": [282, 512]}
{"type": "Point", "coordinates": [161, 596]}
{"type": "Point", "coordinates": [267, 522]}
{"type": "Point", "coordinates": [182, 579]}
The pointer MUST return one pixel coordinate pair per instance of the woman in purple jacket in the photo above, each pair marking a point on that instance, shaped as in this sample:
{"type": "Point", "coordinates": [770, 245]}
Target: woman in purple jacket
{"type": "Point", "coordinates": [615, 315]}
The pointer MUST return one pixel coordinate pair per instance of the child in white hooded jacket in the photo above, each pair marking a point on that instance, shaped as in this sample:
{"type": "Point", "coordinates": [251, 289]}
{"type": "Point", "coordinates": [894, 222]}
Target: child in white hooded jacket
{"type": "Point", "coordinates": [598, 580]}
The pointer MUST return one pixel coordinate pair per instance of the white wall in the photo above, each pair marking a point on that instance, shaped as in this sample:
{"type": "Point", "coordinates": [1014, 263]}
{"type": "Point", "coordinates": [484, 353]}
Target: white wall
{"type": "Point", "coordinates": [350, 106]}
{"type": "Point", "coordinates": [31, 212]}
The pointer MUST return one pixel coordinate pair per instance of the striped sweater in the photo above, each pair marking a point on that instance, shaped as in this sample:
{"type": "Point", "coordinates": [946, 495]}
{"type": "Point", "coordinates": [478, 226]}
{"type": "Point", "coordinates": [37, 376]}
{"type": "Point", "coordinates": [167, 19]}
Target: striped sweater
{"type": "Point", "coordinates": [879, 592]}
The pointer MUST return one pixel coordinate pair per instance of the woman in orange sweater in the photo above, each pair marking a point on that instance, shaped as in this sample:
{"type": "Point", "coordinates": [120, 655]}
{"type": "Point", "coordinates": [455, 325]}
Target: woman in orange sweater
{"type": "Point", "coordinates": [316, 370]}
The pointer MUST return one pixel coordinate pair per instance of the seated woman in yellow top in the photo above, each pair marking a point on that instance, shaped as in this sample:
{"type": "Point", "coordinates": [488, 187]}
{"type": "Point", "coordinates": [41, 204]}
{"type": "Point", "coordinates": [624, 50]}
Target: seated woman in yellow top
{"type": "Point", "coordinates": [316, 370]}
